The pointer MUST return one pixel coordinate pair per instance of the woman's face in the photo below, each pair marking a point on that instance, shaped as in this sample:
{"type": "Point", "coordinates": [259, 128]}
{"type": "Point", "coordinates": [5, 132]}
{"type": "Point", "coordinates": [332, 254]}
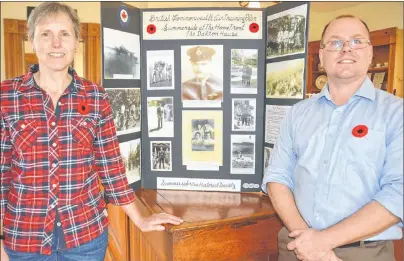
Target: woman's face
{"type": "Point", "coordinates": [55, 42]}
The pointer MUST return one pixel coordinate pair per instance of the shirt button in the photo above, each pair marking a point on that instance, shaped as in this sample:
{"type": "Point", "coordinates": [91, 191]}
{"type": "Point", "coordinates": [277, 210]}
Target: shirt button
{"type": "Point", "coordinates": [84, 123]}
{"type": "Point", "coordinates": [54, 185]}
{"type": "Point", "coordinates": [52, 206]}
{"type": "Point", "coordinates": [58, 224]}
{"type": "Point", "coordinates": [53, 165]}
{"type": "Point", "coordinates": [54, 144]}
{"type": "Point", "coordinates": [60, 104]}
{"type": "Point", "coordinates": [53, 123]}
{"type": "Point", "coordinates": [23, 126]}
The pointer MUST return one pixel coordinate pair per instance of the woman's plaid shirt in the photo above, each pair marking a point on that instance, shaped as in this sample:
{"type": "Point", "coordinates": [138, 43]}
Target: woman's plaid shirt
{"type": "Point", "coordinates": [46, 163]}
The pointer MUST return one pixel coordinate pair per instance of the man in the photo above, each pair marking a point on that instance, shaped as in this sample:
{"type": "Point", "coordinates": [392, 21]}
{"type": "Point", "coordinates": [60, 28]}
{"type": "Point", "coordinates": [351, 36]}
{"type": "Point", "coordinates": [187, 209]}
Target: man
{"type": "Point", "coordinates": [160, 113]}
{"type": "Point", "coordinates": [204, 86]}
{"type": "Point", "coordinates": [246, 76]}
{"type": "Point", "coordinates": [162, 157]}
{"type": "Point", "coordinates": [336, 175]}
{"type": "Point", "coordinates": [245, 115]}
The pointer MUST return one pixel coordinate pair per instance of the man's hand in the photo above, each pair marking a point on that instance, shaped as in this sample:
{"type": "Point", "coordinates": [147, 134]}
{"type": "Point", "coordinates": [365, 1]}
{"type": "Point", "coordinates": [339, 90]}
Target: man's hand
{"type": "Point", "coordinates": [309, 245]}
{"type": "Point", "coordinates": [154, 222]}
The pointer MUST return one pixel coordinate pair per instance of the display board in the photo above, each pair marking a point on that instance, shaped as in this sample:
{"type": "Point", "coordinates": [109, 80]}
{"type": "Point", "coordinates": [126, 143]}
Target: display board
{"type": "Point", "coordinates": [215, 83]}
{"type": "Point", "coordinates": [286, 59]}
{"type": "Point", "coordinates": [121, 62]}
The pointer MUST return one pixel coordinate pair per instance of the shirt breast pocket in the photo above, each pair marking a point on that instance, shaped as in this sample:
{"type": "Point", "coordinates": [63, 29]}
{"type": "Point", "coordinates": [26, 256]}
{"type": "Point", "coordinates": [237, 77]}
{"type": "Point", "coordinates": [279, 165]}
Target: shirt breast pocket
{"type": "Point", "coordinates": [366, 148]}
{"type": "Point", "coordinates": [84, 132]}
{"type": "Point", "coordinates": [24, 135]}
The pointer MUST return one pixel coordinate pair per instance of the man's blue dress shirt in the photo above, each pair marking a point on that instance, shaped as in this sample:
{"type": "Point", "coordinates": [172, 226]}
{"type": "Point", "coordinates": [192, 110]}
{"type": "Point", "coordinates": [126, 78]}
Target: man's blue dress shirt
{"type": "Point", "coordinates": [332, 173]}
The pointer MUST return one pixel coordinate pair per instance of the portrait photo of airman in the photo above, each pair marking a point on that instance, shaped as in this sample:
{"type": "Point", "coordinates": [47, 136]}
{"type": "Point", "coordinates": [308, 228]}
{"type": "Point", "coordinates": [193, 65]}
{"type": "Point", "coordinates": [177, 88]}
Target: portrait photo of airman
{"type": "Point", "coordinates": [202, 72]}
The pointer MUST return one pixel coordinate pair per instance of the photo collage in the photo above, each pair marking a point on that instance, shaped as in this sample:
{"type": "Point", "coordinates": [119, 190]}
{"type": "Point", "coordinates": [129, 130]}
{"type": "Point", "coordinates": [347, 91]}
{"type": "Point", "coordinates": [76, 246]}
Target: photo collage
{"type": "Point", "coordinates": [198, 102]}
{"type": "Point", "coordinates": [285, 69]}
{"type": "Point", "coordinates": [201, 88]}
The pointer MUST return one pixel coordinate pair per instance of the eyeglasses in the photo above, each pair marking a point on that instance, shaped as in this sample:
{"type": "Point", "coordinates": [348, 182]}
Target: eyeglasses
{"type": "Point", "coordinates": [337, 45]}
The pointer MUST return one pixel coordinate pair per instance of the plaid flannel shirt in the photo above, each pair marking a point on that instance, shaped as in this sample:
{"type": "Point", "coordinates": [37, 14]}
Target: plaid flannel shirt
{"type": "Point", "coordinates": [47, 164]}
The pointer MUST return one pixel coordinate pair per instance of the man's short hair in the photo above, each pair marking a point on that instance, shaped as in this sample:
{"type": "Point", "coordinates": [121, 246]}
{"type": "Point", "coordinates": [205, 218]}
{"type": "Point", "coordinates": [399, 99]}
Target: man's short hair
{"type": "Point", "coordinates": [340, 17]}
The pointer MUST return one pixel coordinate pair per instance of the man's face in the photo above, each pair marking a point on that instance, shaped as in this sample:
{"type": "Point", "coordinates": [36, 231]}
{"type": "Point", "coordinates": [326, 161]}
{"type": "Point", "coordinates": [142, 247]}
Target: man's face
{"type": "Point", "coordinates": [347, 63]}
{"type": "Point", "coordinates": [201, 69]}
{"type": "Point", "coordinates": [55, 42]}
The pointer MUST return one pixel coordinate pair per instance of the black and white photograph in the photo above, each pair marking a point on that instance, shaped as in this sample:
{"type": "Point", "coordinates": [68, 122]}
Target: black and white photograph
{"type": "Point", "coordinates": [203, 135]}
{"type": "Point", "coordinates": [202, 75]}
{"type": "Point", "coordinates": [160, 116]}
{"type": "Point", "coordinates": [244, 114]}
{"type": "Point", "coordinates": [160, 70]}
{"type": "Point", "coordinates": [244, 71]}
{"type": "Point", "coordinates": [121, 54]}
{"type": "Point", "coordinates": [160, 154]}
{"type": "Point", "coordinates": [285, 79]}
{"type": "Point", "coordinates": [242, 154]}
{"type": "Point", "coordinates": [131, 155]}
{"type": "Point", "coordinates": [286, 32]}
{"type": "Point", "coordinates": [126, 111]}
{"type": "Point", "coordinates": [267, 157]}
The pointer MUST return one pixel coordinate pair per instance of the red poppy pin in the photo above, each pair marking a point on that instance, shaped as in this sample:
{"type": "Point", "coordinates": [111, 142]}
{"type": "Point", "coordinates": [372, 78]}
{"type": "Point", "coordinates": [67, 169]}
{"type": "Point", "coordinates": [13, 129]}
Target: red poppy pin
{"type": "Point", "coordinates": [82, 107]}
{"type": "Point", "coordinates": [151, 28]}
{"type": "Point", "coordinates": [254, 27]}
{"type": "Point", "coordinates": [360, 131]}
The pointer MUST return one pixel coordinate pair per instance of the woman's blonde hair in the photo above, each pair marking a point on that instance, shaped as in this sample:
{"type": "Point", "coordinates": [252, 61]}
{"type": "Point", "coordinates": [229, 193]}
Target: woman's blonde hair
{"type": "Point", "coordinates": [48, 9]}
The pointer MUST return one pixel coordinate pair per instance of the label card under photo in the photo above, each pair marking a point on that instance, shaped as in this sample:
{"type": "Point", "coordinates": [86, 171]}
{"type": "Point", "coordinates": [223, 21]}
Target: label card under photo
{"type": "Point", "coordinates": [233, 185]}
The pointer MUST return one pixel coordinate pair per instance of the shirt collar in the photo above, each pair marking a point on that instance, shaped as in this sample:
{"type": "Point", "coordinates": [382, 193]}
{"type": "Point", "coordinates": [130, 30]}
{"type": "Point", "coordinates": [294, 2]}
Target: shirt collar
{"type": "Point", "coordinates": [367, 90]}
{"type": "Point", "coordinates": [28, 80]}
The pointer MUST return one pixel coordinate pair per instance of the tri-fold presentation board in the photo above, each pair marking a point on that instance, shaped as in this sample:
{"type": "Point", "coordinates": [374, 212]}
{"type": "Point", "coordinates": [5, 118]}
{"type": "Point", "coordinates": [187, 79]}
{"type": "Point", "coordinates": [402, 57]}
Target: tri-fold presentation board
{"type": "Point", "coordinates": [198, 94]}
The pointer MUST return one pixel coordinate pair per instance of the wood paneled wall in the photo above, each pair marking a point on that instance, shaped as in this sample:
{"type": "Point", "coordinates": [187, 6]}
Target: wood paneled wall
{"type": "Point", "coordinates": [91, 35]}
{"type": "Point", "coordinates": [14, 31]}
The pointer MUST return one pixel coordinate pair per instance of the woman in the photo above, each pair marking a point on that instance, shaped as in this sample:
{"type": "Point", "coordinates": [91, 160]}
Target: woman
{"type": "Point", "coordinates": [58, 140]}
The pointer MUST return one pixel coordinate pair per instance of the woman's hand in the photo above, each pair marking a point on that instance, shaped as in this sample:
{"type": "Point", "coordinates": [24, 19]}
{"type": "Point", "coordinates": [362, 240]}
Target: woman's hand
{"type": "Point", "coordinates": [154, 222]}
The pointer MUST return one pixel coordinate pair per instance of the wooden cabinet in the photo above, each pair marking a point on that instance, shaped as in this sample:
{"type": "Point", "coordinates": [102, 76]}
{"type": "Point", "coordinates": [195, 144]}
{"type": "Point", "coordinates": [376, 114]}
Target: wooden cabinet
{"type": "Point", "coordinates": [118, 234]}
{"type": "Point", "coordinates": [217, 226]}
{"type": "Point", "coordinates": [387, 47]}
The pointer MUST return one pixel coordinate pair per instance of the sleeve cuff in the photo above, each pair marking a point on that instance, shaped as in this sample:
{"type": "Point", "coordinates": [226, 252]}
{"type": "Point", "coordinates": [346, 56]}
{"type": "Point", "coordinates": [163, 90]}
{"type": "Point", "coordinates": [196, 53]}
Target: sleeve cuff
{"type": "Point", "coordinates": [120, 200]}
{"type": "Point", "coordinates": [276, 178]}
{"type": "Point", "coordinates": [392, 204]}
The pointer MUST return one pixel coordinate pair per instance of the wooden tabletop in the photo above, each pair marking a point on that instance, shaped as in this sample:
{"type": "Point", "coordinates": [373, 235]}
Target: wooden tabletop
{"type": "Point", "coordinates": [203, 208]}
